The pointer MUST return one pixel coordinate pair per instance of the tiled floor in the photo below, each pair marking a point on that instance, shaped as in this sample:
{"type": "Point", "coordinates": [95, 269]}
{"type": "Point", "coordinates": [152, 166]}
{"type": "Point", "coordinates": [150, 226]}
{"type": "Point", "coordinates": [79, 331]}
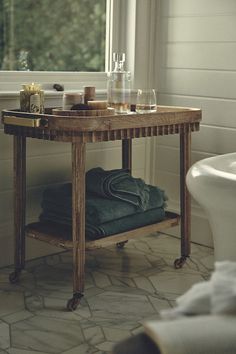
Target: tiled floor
{"type": "Point", "coordinates": [123, 289]}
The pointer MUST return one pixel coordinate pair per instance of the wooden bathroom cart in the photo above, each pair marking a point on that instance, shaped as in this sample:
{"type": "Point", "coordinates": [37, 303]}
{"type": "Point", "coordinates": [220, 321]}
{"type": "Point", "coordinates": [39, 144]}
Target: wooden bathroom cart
{"type": "Point", "coordinates": [79, 131]}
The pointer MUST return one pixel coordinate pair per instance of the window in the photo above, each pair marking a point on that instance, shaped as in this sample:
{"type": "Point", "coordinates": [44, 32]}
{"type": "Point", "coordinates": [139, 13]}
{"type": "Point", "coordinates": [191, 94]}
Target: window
{"type": "Point", "coordinates": [125, 25]}
{"type": "Point", "coordinates": [52, 35]}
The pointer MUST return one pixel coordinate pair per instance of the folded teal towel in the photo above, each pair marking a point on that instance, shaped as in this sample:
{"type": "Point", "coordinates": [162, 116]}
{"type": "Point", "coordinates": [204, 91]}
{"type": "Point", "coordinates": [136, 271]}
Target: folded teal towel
{"type": "Point", "coordinates": [118, 184]}
{"type": "Point", "coordinates": [98, 210]}
{"type": "Point", "coordinates": [112, 227]}
{"type": "Point", "coordinates": [125, 224]}
{"type": "Point", "coordinates": [115, 202]}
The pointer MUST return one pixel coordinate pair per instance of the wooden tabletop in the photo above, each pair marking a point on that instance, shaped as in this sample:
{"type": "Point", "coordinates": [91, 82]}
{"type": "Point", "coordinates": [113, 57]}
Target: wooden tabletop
{"type": "Point", "coordinates": [166, 120]}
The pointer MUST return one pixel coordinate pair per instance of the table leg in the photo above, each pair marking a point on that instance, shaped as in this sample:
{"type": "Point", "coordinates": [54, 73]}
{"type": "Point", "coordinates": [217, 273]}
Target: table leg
{"type": "Point", "coordinates": [19, 161]}
{"type": "Point", "coordinates": [78, 222]}
{"type": "Point", "coordinates": [126, 164]}
{"type": "Point", "coordinates": [127, 154]}
{"type": "Point", "coordinates": [185, 199]}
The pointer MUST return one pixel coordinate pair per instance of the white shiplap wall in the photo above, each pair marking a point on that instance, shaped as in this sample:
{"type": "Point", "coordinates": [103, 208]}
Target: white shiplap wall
{"type": "Point", "coordinates": [197, 67]}
{"type": "Point", "coordinates": [49, 163]}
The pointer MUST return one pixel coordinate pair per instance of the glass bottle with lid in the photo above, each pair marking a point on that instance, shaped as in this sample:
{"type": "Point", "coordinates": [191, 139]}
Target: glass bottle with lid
{"type": "Point", "coordinates": [119, 85]}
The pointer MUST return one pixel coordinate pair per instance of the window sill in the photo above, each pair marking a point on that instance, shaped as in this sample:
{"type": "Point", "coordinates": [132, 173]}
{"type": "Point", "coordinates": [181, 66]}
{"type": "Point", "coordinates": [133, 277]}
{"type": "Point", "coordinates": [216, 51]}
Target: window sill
{"type": "Point", "coordinates": [11, 81]}
{"type": "Point", "coordinates": [101, 93]}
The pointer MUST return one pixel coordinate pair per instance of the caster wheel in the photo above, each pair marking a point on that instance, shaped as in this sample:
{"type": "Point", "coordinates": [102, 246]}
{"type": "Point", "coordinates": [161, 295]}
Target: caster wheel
{"type": "Point", "coordinates": [121, 245]}
{"type": "Point", "coordinates": [179, 262]}
{"type": "Point", "coordinates": [74, 302]}
{"type": "Point", "coordinates": [14, 277]}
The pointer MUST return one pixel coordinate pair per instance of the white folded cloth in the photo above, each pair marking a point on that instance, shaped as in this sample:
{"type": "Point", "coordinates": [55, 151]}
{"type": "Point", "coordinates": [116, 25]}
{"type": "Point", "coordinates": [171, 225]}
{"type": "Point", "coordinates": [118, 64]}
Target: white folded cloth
{"type": "Point", "coordinates": [194, 302]}
{"type": "Point", "coordinates": [223, 295]}
{"type": "Point", "coordinates": [218, 295]}
{"type": "Point", "coordinates": [204, 317]}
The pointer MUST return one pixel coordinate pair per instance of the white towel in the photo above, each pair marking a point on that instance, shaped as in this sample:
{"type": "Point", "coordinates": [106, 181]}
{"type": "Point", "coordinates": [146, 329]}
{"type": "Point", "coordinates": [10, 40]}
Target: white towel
{"type": "Point", "coordinates": [223, 295]}
{"type": "Point", "coordinates": [196, 301]}
{"type": "Point", "coordinates": [204, 317]}
{"type": "Point", "coordinates": [218, 295]}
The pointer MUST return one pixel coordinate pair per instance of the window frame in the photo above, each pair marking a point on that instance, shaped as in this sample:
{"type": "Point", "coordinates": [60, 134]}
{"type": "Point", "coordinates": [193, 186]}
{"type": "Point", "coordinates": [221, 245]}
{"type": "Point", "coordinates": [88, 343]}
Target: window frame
{"type": "Point", "coordinates": [10, 81]}
{"type": "Point", "coordinates": [128, 25]}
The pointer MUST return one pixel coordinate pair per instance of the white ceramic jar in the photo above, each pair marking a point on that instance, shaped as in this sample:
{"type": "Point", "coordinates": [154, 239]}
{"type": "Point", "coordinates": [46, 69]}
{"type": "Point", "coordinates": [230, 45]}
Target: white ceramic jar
{"type": "Point", "coordinates": [70, 99]}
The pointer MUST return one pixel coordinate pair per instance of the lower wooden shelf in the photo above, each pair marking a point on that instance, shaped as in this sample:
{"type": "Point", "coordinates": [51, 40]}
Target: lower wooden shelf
{"type": "Point", "coordinates": [60, 235]}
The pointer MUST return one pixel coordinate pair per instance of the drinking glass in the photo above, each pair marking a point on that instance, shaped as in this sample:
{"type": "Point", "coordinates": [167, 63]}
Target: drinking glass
{"type": "Point", "coordinates": [146, 101]}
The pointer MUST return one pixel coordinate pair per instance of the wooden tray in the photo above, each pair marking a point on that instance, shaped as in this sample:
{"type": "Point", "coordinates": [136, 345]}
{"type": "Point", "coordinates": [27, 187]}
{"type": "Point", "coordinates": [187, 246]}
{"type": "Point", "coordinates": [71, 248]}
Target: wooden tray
{"type": "Point", "coordinates": [170, 117]}
{"type": "Point", "coordinates": [84, 113]}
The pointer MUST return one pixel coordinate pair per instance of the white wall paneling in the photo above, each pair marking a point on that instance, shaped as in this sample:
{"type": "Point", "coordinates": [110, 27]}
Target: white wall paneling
{"type": "Point", "coordinates": [216, 111]}
{"type": "Point", "coordinates": [197, 50]}
{"type": "Point", "coordinates": [204, 56]}
{"type": "Point", "coordinates": [215, 84]}
{"type": "Point", "coordinates": [214, 28]}
{"type": "Point", "coordinates": [197, 7]}
{"type": "Point", "coordinates": [209, 140]}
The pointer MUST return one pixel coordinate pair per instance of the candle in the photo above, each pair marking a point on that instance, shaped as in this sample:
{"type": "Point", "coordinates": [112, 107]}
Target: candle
{"type": "Point", "coordinates": [32, 98]}
{"type": "Point", "coordinates": [89, 93]}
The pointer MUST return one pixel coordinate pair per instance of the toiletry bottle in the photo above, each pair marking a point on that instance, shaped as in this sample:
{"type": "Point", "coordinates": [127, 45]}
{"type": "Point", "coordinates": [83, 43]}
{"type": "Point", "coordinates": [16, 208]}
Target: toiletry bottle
{"type": "Point", "coordinates": [118, 85]}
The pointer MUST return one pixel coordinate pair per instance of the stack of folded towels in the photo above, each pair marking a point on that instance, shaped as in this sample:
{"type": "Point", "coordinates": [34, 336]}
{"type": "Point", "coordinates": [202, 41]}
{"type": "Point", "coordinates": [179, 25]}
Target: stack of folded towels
{"type": "Point", "coordinates": [115, 202]}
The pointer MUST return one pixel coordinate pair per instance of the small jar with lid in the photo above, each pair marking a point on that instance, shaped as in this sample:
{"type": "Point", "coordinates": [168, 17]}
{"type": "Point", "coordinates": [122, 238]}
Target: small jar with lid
{"type": "Point", "coordinates": [70, 99]}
